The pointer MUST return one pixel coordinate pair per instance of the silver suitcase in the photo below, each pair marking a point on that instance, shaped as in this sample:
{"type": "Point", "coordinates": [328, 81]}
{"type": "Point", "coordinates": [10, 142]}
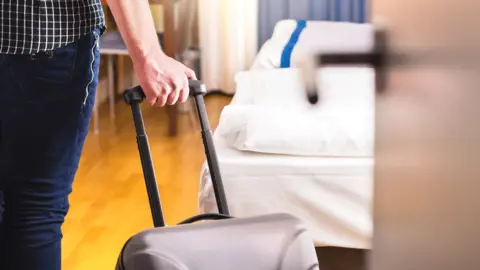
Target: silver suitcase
{"type": "Point", "coordinates": [211, 241]}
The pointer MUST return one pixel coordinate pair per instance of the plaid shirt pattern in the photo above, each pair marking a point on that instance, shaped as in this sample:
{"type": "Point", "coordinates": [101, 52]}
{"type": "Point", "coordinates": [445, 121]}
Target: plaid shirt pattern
{"type": "Point", "coordinates": [31, 26]}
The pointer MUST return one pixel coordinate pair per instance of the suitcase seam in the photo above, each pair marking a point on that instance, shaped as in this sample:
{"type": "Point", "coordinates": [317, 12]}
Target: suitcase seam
{"type": "Point", "coordinates": [285, 248]}
{"type": "Point", "coordinates": [121, 262]}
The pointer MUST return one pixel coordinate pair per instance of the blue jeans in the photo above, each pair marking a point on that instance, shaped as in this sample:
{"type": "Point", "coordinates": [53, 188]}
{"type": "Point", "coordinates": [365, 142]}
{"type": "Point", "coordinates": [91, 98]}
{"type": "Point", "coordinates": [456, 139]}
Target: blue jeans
{"type": "Point", "coordinates": [46, 101]}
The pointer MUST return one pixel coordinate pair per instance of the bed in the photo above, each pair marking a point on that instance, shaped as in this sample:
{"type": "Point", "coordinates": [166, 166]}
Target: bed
{"type": "Point", "coordinates": [331, 194]}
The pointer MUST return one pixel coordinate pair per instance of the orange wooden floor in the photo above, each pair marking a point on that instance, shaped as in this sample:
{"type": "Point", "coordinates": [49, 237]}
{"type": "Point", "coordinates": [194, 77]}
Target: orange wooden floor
{"type": "Point", "coordinates": [109, 202]}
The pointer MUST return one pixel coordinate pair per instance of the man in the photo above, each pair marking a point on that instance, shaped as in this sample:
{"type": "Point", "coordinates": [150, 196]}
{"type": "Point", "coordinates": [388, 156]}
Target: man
{"type": "Point", "coordinates": [49, 61]}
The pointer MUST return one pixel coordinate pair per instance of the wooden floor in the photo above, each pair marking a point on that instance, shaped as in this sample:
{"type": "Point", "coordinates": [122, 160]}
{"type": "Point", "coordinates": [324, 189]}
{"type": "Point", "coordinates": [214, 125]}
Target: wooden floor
{"type": "Point", "coordinates": [109, 201]}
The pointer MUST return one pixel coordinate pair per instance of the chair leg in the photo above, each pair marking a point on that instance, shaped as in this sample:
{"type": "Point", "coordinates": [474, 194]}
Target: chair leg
{"type": "Point", "coordinates": [172, 113]}
{"type": "Point", "coordinates": [111, 86]}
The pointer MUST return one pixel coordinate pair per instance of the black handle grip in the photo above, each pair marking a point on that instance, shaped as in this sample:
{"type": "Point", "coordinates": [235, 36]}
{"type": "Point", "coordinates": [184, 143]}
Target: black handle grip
{"type": "Point", "coordinates": [136, 94]}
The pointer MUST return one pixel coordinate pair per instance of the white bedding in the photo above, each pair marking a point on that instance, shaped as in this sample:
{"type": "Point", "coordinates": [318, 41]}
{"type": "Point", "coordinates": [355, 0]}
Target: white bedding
{"type": "Point", "coordinates": [340, 87]}
{"type": "Point", "coordinates": [302, 132]}
{"type": "Point", "coordinates": [293, 40]}
{"type": "Point", "coordinates": [331, 195]}
{"type": "Point", "coordinates": [270, 113]}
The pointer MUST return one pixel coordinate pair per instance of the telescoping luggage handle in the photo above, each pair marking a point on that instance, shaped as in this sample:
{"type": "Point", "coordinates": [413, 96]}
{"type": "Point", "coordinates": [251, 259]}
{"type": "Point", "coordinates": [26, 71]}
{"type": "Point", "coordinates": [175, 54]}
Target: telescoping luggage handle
{"type": "Point", "coordinates": [133, 97]}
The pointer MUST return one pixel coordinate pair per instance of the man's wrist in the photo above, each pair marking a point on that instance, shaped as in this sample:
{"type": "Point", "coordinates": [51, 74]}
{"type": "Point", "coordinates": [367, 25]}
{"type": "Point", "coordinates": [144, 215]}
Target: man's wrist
{"type": "Point", "coordinates": [142, 53]}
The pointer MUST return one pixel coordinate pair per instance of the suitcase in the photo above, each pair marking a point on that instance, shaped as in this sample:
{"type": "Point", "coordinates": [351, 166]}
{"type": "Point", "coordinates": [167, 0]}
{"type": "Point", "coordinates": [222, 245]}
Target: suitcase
{"type": "Point", "coordinates": [211, 241]}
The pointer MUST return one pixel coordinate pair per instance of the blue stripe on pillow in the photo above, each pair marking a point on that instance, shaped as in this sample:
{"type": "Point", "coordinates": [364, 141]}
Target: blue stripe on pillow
{"type": "Point", "coordinates": [288, 50]}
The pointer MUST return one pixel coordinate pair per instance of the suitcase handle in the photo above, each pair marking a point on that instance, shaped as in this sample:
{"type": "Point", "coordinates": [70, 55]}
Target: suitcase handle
{"type": "Point", "coordinates": [136, 94]}
{"type": "Point", "coordinates": [202, 217]}
{"type": "Point", "coordinates": [133, 97]}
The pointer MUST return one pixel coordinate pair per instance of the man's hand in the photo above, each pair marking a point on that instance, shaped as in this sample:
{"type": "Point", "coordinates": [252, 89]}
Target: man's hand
{"type": "Point", "coordinates": [163, 79]}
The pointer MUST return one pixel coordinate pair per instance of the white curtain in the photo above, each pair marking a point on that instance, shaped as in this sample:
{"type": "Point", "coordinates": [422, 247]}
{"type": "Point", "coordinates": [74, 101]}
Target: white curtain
{"type": "Point", "coordinates": [228, 33]}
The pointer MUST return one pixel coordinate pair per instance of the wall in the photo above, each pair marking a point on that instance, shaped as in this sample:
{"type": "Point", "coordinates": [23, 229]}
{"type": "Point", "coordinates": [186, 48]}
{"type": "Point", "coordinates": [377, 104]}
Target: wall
{"type": "Point", "coordinates": [272, 11]}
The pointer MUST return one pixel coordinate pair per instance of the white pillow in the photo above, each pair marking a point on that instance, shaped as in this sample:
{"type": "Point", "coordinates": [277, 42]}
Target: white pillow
{"type": "Point", "coordinates": [316, 36]}
{"type": "Point", "coordinates": [339, 87]}
{"type": "Point", "coordinates": [306, 132]}
{"type": "Point", "coordinates": [270, 86]}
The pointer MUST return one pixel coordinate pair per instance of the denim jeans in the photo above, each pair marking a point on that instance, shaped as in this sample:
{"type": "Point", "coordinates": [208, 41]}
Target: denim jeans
{"type": "Point", "coordinates": [46, 101]}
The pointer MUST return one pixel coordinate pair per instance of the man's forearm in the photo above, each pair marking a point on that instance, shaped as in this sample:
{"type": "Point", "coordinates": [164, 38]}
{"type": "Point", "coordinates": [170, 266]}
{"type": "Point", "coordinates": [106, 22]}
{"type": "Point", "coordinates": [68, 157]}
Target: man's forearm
{"type": "Point", "coordinates": [163, 79]}
{"type": "Point", "coordinates": [135, 22]}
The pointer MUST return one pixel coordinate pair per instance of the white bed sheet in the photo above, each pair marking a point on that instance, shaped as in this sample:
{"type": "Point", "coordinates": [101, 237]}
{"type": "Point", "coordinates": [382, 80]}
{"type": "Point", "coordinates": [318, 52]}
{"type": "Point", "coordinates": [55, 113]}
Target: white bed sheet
{"type": "Point", "coordinates": [332, 196]}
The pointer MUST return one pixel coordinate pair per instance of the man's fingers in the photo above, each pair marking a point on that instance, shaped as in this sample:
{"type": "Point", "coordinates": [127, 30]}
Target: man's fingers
{"type": "Point", "coordinates": [185, 92]}
{"type": "Point", "coordinates": [152, 101]}
{"type": "Point", "coordinates": [171, 89]}
{"type": "Point", "coordinates": [190, 74]}
{"type": "Point", "coordinates": [150, 96]}
{"type": "Point", "coordinates": [161, 100]}
{"type": "Point", "coordinates": [173, 97]}
{"type": "Point", "coordinates": [164, 92]}
{"type": "Point", "coordinates": [179, 85]}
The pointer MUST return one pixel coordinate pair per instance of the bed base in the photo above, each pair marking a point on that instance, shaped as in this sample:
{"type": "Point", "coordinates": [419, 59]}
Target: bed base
{"type": "Point", "coordinates": [337, 258]}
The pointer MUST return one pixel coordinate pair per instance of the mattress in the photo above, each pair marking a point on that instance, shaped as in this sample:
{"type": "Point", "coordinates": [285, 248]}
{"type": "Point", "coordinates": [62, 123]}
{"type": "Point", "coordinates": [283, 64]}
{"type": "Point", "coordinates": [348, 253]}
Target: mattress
{"type": "Point", "coordinates": [332, 196]}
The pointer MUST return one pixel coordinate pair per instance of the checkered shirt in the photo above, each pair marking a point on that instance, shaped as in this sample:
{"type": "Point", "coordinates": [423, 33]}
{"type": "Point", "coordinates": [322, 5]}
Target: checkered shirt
{"type": "Point", "coordinates": [31, 26]}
